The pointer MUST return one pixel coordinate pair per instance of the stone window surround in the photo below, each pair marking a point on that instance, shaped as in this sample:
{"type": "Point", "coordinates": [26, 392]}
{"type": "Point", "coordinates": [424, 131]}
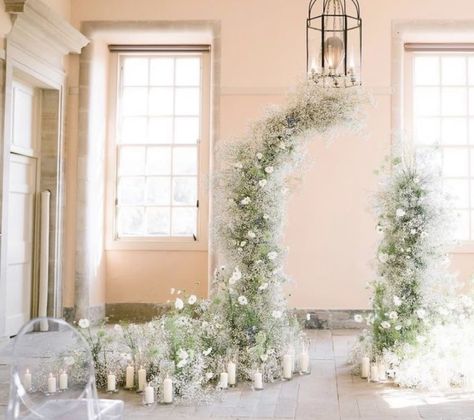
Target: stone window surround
{"type": "Point", "coordinates": [101, 34]}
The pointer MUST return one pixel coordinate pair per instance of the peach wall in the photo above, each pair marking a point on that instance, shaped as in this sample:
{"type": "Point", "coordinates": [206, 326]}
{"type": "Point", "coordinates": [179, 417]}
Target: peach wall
{"type": "Point", "coordinates": [330, 229]}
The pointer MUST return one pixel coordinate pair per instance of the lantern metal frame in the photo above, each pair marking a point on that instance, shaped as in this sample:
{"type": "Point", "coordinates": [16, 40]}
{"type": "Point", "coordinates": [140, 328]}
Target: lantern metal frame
{"type": "Point", "coordinates": [349, 23]}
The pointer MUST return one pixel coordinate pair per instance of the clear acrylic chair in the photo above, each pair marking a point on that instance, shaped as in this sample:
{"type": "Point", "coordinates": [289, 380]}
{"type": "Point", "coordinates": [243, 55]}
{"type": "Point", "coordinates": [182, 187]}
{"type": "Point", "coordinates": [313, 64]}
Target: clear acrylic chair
{"type": "Point", "coordinates": [52, 375]}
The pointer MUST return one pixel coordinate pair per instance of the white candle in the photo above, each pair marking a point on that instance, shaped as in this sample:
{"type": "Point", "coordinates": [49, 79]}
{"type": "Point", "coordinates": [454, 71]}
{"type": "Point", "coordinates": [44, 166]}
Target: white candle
{"type": "Point", "coordinates": [27, 380]}
{"type": "Point", "coordinates": [224, 380]}
{"type": "Point", "coordinates": [63, 379]}
{"type": "Point", "coordinates": [167, 390]}
{"type": "Point", "coordinates": [382, 371]}
{"type": "Point", "coordinates": [141, 378]}
{"type": "Point", "coordinates": [51, 384]}
{"type": "Point", "coordinates": [111, 382]}
{"type": "Point", "coordinates": [287, 366]}
{"type": "Point", "coordinates": [304, 362]}
{"type": "Point", "coordinates": [130, 377]}
{"type": "Point", "coordinates": [258, 380]}
{"type": "Point", "coordinates": [365, 367]}
{"type": "Point", "coordinates": [374, 372]}
{"type": "Point", "coordinates": [231, 372]}
{"type": "Point", "coordinates": [149, 395]}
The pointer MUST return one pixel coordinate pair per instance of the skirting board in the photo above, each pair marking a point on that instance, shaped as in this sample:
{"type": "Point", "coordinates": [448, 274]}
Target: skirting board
{"type": "Point", "coordinates": [322, 319]}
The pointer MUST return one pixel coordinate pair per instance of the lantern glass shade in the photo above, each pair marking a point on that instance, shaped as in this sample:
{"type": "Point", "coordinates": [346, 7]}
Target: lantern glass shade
{"type": "Point", "coordinates": [334, 41]}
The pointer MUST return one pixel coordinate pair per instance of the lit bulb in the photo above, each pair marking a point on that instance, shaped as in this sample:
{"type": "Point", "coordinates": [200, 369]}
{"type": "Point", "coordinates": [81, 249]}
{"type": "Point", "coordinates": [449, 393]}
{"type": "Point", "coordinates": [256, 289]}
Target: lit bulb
{"type": "Point", "coordinates": [333, 52]}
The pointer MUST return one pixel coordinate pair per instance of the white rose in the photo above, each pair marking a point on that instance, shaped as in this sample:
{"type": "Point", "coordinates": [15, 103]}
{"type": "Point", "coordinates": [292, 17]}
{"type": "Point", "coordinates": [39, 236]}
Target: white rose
{"type": "Point", "coordinates": [269, 169]}
{"type": "Point", "coordinates": [379, 229]}
{"type": "Point", "coordinates": [207, 352]}
{"type": "Point", "coordinates": [262, 182]}
{"type": "Point", "coordinates": [263, 286]}
{"type": "Point", "coordinates": [243, 243]}
{"type": "Point", "coordinates": [236, 276]}
{"type": "Point", "coordinates": [264, 357]}
{"type": "Point", "coordinates": [277, 314]}
{"type": "Point", "coordinates": [259, 156]}
{"type": "Point", "coordinates": [183, 354]}
{"type": "Point", "coordinates": [272, 255]}
{"type": "Point", "coordinates": [397, 301]}
{"type": "Point", "coordinates": [251, 234]}
{"type": "Point", "coordinates": [400, 213]}
{"type": "Point", "coordinates": [239, 165]}
{"type": "Point", "coordinates": [420, 313]}
{"type": "Point", "coordinates": [242, 300]}
{"type": "Point", "coordinates": [398, 327]}
{"type": "Point", "coordinates": [393, 315]}
{"type": "Point", "coordinates": [245, 201]}
{"type": "Point", "coordinates": [266, 216]}
{"type": "Point", "coordinates": [308, 317]}
{"type": "Point", "coordinates": [209, 375]}
{"type": "Point", "coordinates": [179, 304]}
{"type": "Point", "coordinates": [182, 363]}
{"type": "Point", "coordinates": [84, 323]}
{"type": "Point", "coordinates": [385, 325]}
{"type": "Point", "coordinates": [192, 299]}
{"type": "Point", "coordinates": [358, 318]}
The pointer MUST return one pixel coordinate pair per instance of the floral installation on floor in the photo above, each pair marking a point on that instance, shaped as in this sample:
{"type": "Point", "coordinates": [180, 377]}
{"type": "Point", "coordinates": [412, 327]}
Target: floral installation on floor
{"type": "Point", "coordinates": [421, 329]}
{"type": "Point", "coordinates": [245, 331]}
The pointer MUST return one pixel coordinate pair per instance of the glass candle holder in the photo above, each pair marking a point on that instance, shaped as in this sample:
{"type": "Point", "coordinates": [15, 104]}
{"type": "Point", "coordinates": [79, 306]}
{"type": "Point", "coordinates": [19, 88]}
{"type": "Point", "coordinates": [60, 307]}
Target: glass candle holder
{"type": "Point", "coordinates": [149, 395]}
{"type": "Point", "coordinates": [287, 366]}
{"type": "Point", "coordinates": [304, 361]}
{"type": "Point", "coordinates": [257, 379]}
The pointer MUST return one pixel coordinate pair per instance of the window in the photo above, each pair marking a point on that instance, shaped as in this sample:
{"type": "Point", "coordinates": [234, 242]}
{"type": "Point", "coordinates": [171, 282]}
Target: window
{"type": "Point", "coordinates": [160, 158]}
{"type": "Point", "coordinates": [440, 98]}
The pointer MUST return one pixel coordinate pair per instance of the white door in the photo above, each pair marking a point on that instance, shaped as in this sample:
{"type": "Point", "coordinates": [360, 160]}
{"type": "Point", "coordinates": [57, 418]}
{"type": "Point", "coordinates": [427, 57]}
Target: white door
{"type": "Point", "coordinates": [21, 207]}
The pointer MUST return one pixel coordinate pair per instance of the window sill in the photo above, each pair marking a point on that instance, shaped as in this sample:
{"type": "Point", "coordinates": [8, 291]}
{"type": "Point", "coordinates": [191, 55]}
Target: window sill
{"type": "Point", "coordinates": [152, 244]}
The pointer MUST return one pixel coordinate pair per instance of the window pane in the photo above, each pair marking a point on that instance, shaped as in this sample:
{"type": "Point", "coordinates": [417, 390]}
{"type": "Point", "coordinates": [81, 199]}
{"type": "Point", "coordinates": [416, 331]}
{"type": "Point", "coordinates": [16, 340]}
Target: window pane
{"type": "Point", "coordinates": [454, 131]}
{"type": "Point", "coordinates": [458, 191]}
{"type": "Point", "coordinates": [131, 160]}
{"type": "Point", "coordinates": [455, 162]}
{"type": "Point", "coordinates": [184, 221]}
{"type": "Point", "coordinates": [134, 101]}
{"type": "Point", "coordinates": [133, 130]}
{"type": "Point", "coordinates": [161, 71]}
{"type": "Point", "coordinates": [161, 101]}
{"type": "Point", "coordinates": [131, 190]}
{"type": "Point", "coordinates": [158, 161]}
{"type": "Point", "coordinates": [471, 101]}
{"type": "Point", "coordinates": [135, 72]}
{"type": "Point", "coordinates": [186, 130]}
{"type": "Point", "coordinates": [158, 221]}
{"type": "Point", "coordinates": [130, 221]}
{"type": "Point", "coordinates": [427, 131]}
{"type": "Point", "coordinates": [187, 101]}
{"type": "Point", "coordinates": [471, 71]}
{"type": "Point", "coordinates": [185, 161]}
{"type": "Point", "coordinates": [427, 71]}
{"type": "Point", "coordinates": [454, 101]}
{"type": "Point", "coordinates": [453, 70]}
{"type": "Point", "coordinates": [462, 225]}
{"type": "Point", "coordinates": [159, 191]}
{"type": "Point", "coordinates": [188, 71]}
{"type": "Point", "coordinates": [184, 191]}
{"type": "Point", "coordinates": [160, 130]}
{"type": "Point", "coordinates": [427, 101]}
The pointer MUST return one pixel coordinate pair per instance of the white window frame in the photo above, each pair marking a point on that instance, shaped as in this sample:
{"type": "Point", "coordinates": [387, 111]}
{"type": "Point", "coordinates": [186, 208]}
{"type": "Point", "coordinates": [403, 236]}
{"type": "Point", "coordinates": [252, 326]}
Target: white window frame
{"type": "Point", "coordinates": [166, 243]}
{"type": "Point", "coordinates": [465, 246]}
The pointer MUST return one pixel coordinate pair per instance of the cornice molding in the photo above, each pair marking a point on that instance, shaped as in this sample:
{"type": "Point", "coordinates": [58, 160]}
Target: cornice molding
{"type": "Point", "coordinates": [39, 30]}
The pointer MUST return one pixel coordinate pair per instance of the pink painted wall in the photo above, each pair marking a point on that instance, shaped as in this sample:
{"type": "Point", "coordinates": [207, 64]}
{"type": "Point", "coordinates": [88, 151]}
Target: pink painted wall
{"type": "Point", "coordinates": [330, 230]}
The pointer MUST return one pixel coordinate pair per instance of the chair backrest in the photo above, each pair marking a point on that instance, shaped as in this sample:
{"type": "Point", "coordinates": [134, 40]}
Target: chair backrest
{"type": "Point", "coordinates": [52, 372]}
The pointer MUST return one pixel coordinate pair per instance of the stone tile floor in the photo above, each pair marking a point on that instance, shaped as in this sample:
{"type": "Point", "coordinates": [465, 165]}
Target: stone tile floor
{"type": "Point", "coordinates": [329, 393]}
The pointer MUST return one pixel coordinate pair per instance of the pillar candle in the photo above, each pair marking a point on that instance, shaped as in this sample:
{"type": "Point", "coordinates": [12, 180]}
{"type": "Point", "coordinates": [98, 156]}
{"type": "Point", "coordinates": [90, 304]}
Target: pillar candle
{"type": "Point", "coordinates": [130, 377]}
{"type": "Point", "coordinates": [51, 384]}
{"type": "Point", "coordinates": [111, 382]}
{"type": "Point", "coordinates": [27, 380]}
{"type": "Point", "coordinates": [382, 371]}
{"type": "Point", "coordinates": [374, 372]}
{"type": "Point", "coordinates": [224, 382]}
{"type": "Point", "coordinates": [63, 379]}
{"type": "Point", "coordinates": [149, 395]}
{"type": "Point", "coordinates": [231, 373]}
{"type": "Point", "coordinates": [167, 390]}
{"type": "Point", "coordinates": [287, 366]}
{"type": "Point", "coordinates": [365, 368]}
{"type": "Point", "coordinates": [141, 378]}
{"type": "Point", "coordinates": [258, 380]}
{"type": "Point", "coordinates": [304, 362]}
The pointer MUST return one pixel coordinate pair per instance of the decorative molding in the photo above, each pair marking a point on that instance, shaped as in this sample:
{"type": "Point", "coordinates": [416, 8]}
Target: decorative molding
{"type": "Point", "coordinates": [40, 31]}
